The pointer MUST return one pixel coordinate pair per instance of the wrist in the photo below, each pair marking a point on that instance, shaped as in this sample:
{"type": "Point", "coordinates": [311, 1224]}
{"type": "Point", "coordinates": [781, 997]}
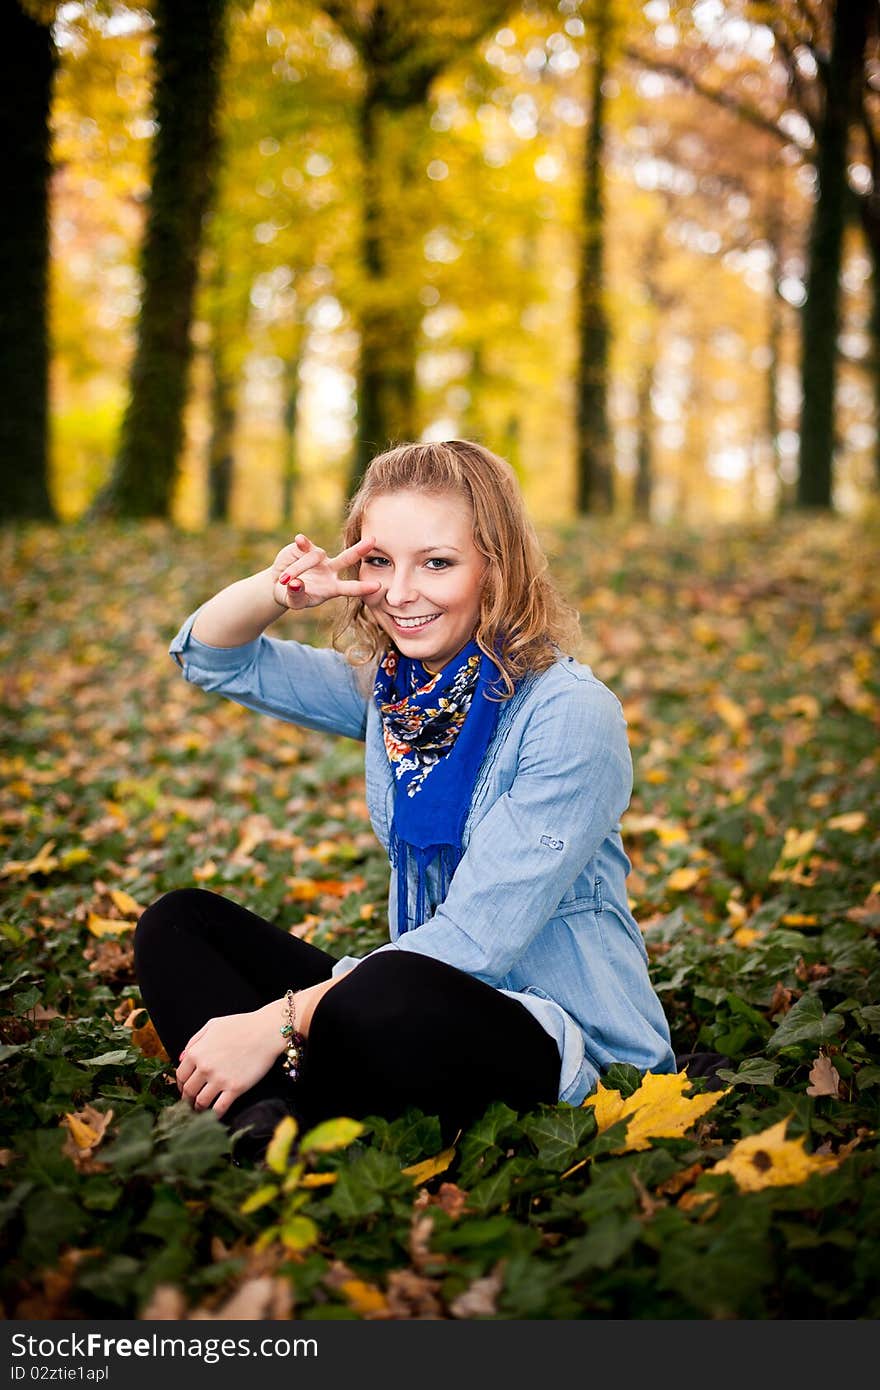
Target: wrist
{"type": "Point", "coordinates": [274, 1016]}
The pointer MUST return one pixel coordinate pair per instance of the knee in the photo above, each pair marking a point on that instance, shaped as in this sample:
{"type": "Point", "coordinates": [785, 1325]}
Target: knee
{"type": "Point", "coordinates": [162, 918]}
{"type": "Point", "coordinates": [371, 1002]}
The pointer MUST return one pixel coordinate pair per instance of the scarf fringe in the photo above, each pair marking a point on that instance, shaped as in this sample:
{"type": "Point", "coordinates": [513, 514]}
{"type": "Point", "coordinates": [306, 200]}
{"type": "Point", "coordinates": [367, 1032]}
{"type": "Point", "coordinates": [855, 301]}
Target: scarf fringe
{"type": "Point", "coordinates": [403, 855]}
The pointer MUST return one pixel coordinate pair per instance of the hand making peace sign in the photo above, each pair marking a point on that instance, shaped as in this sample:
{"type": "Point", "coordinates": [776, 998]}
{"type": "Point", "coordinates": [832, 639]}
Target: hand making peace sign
{"type": "Point", "coordinates": [305, 575]}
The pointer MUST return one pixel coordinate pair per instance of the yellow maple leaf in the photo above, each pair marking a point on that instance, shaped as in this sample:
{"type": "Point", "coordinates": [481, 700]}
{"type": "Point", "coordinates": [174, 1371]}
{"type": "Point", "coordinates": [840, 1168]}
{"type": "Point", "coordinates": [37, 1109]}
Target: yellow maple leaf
{"type": "Point", "coordinates": [659, 1109]}
{"type": "Point", "coordinates": [125, 902]}
{"type": "Point", "coordinates": [364, 1298]}
{"type": "Point", "coordinates": [671, 834]}
{"type": "Point", "coordinates": [107, 926]}
{"type": "Point", "coordinates": [430, 1167]}
{"type": "Point", "coordinates": [744, 936]}
{"type": "Point", "coordinates": [797, 844]}
{"type": "Point", "coordinates": [682, 879]}
{"type": "Point", "coordinates": [769, 1159]}
{"type": "Point", "coordinates": [850, 821]}
{"type": "Point", "coordinates": [733, 715]}
{"type": "Point", "coordinates": [43, 862]}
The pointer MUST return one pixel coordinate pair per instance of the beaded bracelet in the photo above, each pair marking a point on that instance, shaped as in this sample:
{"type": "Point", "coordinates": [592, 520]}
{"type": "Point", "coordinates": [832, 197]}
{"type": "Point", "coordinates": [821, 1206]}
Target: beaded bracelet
{"type": "Point", "coordinates": [293, 1048]}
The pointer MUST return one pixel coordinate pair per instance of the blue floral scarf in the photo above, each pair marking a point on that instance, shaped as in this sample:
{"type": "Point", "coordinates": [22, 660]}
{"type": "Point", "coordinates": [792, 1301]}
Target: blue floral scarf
{"type": "Point", "coordinates": [437, 729]}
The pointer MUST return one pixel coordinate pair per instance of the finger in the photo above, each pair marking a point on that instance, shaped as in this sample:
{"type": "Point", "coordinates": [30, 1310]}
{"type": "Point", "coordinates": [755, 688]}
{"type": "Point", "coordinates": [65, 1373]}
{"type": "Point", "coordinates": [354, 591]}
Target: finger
{"type": "Point", "coordinates": [193, 1086]}
{"type": "Point", "coordinates": [185, 1071]}
{"type": "Point", "coordinates": [307, 562]}
{"type": "Point", "coordinates": [223, 1102]}
{"type": "Point", "coordinates": [353, 553]}
{"type": "Point", "coordinates": [357, 588]}
{"type": "Point", "coordinates": [207, 1095]}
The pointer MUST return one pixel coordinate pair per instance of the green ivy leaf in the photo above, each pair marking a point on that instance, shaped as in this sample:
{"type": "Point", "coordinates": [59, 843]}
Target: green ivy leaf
{"type": "Point", "coordinates": [805, 1023]}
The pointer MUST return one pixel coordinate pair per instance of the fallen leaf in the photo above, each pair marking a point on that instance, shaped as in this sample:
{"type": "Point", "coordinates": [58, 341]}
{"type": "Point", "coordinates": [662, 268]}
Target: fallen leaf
{"type": "Point", "coordinates": [480, 1299]}
{"type": "Point", "coordinates": [797, 844]}
{"type": "Point", "coordinates": [682, 879]}
{"type": "Point", "coordinates": [850, 821]}
{"type": "Point", "coordinates": [824, 1078]}
{"type": "Point", "coordinates": [659, 1109]}
{"type": "Point", "coordinates": [108, 926]}
{"type": "Point", "coordinates": [278, 1151]}
{"type": "Point", "coordinates": [125, 903]}
{"type": "Point", "coordinates": [86, 1129]}
{"type": "Point", "coordinates": [680, 1180]}
{"type": "Point", "coordinates": [165, 1304]}
{"type": "Point", "coordinates": [365, 1299]}
{"type": "Point", "coordinates": [412, 1295]}
{"type": "Point", "coordinates": [429, 1167]}
{"type": "Point", "coordinates": [256, 1300]}
{"type": "Point", "coordinates": [745, 936]}
{"type": "Point", "coordinates": [781, 1001]}
{"type": "Point", "coordinates": [111, 959]}
{"type": "Point", "coordinates": [43, 862]}
{"type": "Point", "coordinates": [144, 1036]}
{"type": "Point", "coordinates": [769, 1159]}
{"type": "Point", "coordinates": [733, 715]}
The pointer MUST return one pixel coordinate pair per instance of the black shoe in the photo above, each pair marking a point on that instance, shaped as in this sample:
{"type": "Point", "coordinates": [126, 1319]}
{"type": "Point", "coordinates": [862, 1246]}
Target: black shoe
{"type": "Point", "coordinates": [704, 1064]}
{"type": "Point", "coordinates": [259, 1122]}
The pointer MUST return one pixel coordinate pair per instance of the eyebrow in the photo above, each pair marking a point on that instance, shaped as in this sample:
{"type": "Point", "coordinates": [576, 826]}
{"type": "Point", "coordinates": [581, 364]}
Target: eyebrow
{"type": "Point", "coordinates": [426, 549]}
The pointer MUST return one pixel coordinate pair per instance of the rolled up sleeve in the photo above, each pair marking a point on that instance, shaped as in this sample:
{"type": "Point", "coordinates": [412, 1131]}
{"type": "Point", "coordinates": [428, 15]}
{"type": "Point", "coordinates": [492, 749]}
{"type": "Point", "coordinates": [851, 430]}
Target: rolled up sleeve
{"type": "Point", "coordinates": [315, 687]}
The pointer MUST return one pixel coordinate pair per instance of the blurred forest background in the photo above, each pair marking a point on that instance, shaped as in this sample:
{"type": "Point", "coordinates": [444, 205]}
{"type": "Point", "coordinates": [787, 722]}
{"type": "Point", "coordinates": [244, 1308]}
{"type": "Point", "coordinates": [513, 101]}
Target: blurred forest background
{"type": "Point", "coordinates": [633, 247]}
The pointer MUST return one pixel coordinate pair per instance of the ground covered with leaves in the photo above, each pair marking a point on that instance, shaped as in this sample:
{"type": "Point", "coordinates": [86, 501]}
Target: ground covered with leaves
{"type": "Point", "coordinates": [746, 662]}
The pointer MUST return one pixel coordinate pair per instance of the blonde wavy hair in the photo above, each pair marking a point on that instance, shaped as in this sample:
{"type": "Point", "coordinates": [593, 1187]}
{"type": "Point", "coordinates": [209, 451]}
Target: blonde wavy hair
{"type": "Point", "coordinates": [523, 617]}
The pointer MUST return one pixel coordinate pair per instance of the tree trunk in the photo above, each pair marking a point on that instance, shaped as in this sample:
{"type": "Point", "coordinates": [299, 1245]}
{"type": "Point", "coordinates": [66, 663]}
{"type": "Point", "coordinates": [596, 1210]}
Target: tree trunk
{"type": "Point", "coordinates": [189, 53]}
{"type": "Point", "coordinates": [290, 469]}
{"type": "Point", "coordinates": [821, 312]}
{"type": "Point", "coordinates": [773, 229]}
{"type": "Point", "coordinates": [386, 388]}
{"type": "Point", "coordinates": [644, 482]}
{"type": "Point", "coordinates": [869, 209]}
{"type": "Point", "coordinates": [27, 65]}
{"type": "Point", "coordinates": [595, 478]}
{"type": "Point", "coordinates": [220, 453]}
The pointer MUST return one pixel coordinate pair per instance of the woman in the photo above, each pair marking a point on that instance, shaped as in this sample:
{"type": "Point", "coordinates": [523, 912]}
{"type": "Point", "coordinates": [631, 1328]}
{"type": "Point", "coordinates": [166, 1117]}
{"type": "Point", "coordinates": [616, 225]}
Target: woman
{"type": "Point", "coordinates": [497, 769]}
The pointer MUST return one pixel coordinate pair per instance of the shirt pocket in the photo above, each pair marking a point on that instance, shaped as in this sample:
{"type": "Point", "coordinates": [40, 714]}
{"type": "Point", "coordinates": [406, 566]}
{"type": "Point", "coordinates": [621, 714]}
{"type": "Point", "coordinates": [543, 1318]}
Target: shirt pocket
{"type": "Point", "coordinates": [579, 898]}
{"type": "Point", "coordinates": [619, 923]}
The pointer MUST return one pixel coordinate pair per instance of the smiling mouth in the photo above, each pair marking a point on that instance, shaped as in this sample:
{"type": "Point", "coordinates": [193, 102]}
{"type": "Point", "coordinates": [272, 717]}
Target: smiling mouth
{"type": "Point", "coordinates": [414, 624]}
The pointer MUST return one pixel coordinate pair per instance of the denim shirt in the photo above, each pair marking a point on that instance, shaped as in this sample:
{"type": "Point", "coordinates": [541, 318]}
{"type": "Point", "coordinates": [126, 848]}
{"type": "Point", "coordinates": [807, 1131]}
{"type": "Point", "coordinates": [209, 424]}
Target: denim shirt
{"type": "Point", "coordinates": [538, 905]}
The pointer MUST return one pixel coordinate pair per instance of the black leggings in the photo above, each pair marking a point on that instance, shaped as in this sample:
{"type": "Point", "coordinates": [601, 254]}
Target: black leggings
{"type": "Point", "coordinates": [399, 1030]}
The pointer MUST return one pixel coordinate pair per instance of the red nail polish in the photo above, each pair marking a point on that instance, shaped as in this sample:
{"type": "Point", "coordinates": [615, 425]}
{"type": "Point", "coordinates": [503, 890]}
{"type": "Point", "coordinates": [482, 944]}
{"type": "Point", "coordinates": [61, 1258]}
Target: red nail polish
{"type": "Point", "coordinates": [284, 579]}
{"type": "Point", "coordinates": [295, 584]}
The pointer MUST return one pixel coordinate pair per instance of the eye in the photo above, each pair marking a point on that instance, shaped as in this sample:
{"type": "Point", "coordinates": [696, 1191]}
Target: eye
{"type": "Point", "coordinates": [375, 560]}
{"type": "Point", "coordinates": [438, 560]}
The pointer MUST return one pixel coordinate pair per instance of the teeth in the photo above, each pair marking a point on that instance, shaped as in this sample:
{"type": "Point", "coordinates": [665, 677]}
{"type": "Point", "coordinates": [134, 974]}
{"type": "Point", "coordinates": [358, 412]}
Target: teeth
{"type": "Point", "coordinates": [416, 622]}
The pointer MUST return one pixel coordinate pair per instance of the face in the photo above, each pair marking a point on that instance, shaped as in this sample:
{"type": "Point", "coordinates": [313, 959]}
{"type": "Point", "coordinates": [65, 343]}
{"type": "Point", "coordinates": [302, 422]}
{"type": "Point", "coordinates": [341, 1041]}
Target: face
{"type": "Point", "coordinates": [430, 571]}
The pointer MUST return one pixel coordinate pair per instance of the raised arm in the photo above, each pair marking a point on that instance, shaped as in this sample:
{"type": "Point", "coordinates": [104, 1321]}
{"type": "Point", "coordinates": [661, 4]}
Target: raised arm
{"type": "Point", "coordinates": [302, 575]}
{"type": "Point", "coordinates": [222, 646]}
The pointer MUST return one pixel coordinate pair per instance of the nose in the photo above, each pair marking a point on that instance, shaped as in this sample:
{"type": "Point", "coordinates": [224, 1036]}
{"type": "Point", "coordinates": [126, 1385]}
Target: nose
{"type": "Point", "coordinates": [401, 589]}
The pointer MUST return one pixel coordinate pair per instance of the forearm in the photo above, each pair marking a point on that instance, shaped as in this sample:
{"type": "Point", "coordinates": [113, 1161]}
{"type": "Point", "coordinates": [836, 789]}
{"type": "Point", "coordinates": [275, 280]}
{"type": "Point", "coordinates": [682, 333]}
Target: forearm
{"type": "Point", "coordinates": [239, 613]}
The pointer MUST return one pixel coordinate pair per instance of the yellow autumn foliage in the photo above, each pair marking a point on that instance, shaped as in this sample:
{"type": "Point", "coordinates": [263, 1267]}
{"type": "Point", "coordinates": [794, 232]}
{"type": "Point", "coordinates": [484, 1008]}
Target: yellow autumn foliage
{"type": "Point", "coordinates": [108, 926]}
{"type": "Point", "coordinates": [682, 879]}
{"type": "Point", "coordinates": [430, 1167]}
{"type": "Point", "coordinates": [659, 1109]}
{"type": "Point", "coordinates": [769, 1159]}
